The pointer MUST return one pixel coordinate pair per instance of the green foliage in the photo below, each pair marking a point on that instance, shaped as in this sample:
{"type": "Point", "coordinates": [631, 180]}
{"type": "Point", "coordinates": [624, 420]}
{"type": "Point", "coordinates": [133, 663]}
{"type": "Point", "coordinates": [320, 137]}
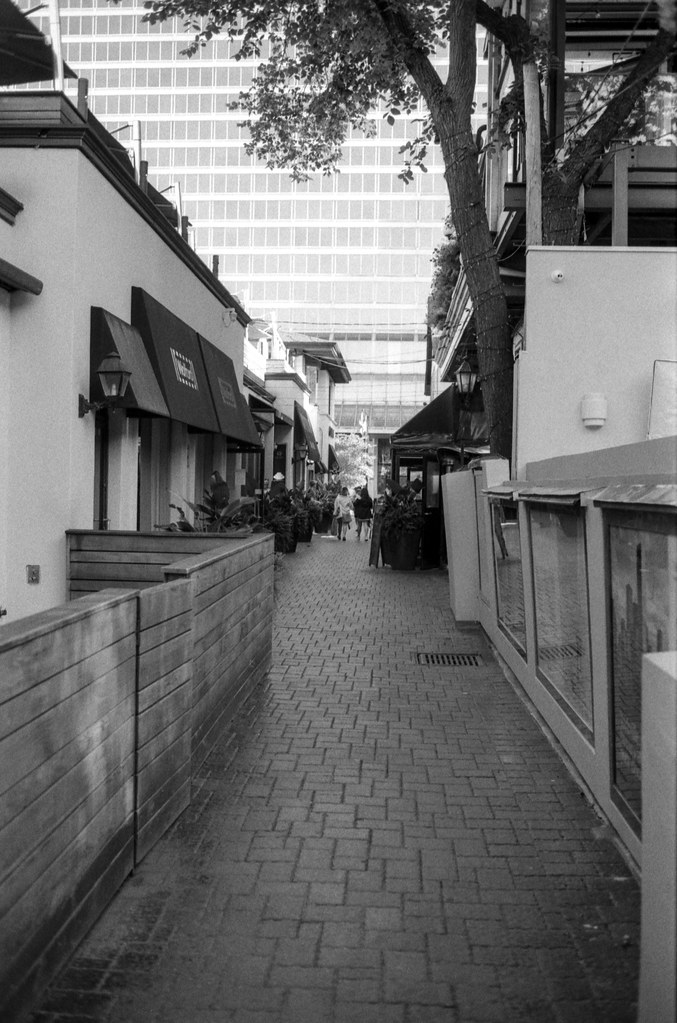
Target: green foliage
{"type": "Point", "coordinates": [352, 453]}
{"type": "Point", "coordinates": [329, 65]}
{"type": "Point", "coordinates": [446, 268]}
{"type": "Point", "coordinates": [215, 514]}
{"type": "Point", "coordinates": [401, 512]}
{"type": "Point", "coordinates": [279, 517]}
{"type": "Point", "coordinates": [325, 495]}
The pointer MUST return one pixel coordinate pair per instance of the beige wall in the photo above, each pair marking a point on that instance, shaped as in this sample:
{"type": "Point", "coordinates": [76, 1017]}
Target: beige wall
{"type": "Point", "coordinates": [81, 238]}
{"type": "Point", "coordinates": [597, 328]}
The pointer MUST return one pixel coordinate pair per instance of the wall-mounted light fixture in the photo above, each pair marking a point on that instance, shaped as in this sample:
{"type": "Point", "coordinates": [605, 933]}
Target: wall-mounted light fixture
{"type": "Point", "coordinates": [593, 410]}
{"type": "Point", "coordinates": [114, 377]}
{"type": "Point", "coordinates": [466, 378]}
{"type": "Point", "coordinates": [301, 451]}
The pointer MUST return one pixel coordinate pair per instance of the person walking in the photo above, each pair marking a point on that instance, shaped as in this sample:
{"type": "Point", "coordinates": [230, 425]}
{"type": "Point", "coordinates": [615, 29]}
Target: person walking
{"type": "Point", "coordinates": [363, 507]}
{"type": "Point", "coordinates": [343, 508]}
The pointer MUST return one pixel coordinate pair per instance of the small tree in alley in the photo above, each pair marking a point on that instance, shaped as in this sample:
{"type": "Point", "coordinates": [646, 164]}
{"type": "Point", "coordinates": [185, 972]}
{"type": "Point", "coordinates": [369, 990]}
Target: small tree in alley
{"type": "Point", "coordinates": [355, 462]}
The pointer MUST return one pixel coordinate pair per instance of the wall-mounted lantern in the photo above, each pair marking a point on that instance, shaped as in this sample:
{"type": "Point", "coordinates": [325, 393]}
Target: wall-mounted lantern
{"type": "Point", "coordinates": [114, 377]}
{"type": "Point", "coordinates": [466, 378]}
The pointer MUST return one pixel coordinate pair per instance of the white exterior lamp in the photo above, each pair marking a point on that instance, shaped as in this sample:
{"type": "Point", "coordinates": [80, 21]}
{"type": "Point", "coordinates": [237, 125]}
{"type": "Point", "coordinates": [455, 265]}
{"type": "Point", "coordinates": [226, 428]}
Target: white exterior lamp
{"type": "Point", "coordinates": [594, 410]}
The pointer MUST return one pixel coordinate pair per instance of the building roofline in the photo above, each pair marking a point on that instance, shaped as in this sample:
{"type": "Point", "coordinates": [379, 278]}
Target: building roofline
{"type": "Point", "coordinates": [48, 120]}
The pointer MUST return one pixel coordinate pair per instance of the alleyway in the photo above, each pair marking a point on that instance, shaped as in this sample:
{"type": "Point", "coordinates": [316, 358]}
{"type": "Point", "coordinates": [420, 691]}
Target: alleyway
{"type": "Point", "coordinates": [377, 841]}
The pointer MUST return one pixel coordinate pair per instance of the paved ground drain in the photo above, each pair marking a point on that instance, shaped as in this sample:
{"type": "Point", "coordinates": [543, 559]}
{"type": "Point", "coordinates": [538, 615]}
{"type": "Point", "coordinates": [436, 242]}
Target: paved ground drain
{"type": "Point", "coordinates": [555, 653]}
{"type": "Point", "coordinates": [454, 660]}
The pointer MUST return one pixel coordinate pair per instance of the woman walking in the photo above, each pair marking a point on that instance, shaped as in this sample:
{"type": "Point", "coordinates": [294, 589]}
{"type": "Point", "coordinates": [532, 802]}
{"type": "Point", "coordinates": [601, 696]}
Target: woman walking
{"type": "Point", "coordinates": [343, 508]}
{"type": "Point", "coordinates": [363, 507]}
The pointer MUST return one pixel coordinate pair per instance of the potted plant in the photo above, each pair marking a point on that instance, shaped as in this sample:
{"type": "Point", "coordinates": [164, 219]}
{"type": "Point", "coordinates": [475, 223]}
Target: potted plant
{"type": "Point", "coordinates": [308, 511]}
{"type": "Point", "coordinates": [279, 516]}
{"type": "Point", "coordinates": [216, 513]}
{"type": "Point", "coordinates": [401, 526]}
{"type": "Point", "coordinates": [323, 497]}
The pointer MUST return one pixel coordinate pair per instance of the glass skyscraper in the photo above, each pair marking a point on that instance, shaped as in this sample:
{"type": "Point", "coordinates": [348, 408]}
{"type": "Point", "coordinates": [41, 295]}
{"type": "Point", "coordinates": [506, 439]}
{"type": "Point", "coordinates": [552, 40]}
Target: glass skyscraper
{"type": "Point", "coordinates": [345, 257]}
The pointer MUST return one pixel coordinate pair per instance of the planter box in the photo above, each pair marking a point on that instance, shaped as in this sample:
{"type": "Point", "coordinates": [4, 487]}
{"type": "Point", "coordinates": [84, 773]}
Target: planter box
{"type": "Point", "coordinates": [403, 550]}
{"type": "Point", "coordinates": [110, 704]}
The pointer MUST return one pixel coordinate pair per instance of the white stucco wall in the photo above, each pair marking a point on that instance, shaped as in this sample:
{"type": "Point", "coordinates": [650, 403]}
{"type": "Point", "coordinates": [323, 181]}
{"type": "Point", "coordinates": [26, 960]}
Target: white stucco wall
{"type": "Point", "coordinates": [88, 246]}
{"type": "Point", "coordinates": [599, 328]}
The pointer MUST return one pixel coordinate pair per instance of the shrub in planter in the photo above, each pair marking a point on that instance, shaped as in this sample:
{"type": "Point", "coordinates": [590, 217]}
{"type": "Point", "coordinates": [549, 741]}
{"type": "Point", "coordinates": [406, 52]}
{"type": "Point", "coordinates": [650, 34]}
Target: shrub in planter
{"type": "Point", "coordinates": [321, 499]}
{"type": "Point", "coordinates": [279, 516]}
{"type": "Point", "coordinates": [304, 526]}
{"type": "Point", "coordinates": [216, 513]}
{"type": "Point", "coordinates": [402, 525]}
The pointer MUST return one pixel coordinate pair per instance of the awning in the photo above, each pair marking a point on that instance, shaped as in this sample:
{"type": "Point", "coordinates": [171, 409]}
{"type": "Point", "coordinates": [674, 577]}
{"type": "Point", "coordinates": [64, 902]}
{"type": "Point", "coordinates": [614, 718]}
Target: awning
{"type": "Point", "coordinates": [503, 491]}
{"type": "Point", "coordinates": [321, 467]}
{"type": "Point", "coordinates": [660, 495]}
{"type": "Point", "coordinates": [333, 460]}
{"type": "Point", "coordinates": [111, 334]}
{"type": "Point", "coordinates": [232, 410]}
{"type": "Point", "coordinates": [306, 431]}
{"type": "Point", "coordinates": [175, 355]}
{"type": "Point", "coordinates": [263, 421]}
{"type": "Point", "coordinates": [283, 420]}
{"type": "Point", "coordinates": [552, 495]}
{"type": "Point", "coordinates": [25, 54]}
{"type": "Point", "coordinates": [442, 424]}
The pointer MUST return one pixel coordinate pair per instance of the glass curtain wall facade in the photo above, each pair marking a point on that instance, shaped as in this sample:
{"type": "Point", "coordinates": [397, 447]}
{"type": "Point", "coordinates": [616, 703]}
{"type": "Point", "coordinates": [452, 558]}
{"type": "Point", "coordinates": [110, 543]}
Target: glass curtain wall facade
{"type": "Point", "coordinates": [345, 257]}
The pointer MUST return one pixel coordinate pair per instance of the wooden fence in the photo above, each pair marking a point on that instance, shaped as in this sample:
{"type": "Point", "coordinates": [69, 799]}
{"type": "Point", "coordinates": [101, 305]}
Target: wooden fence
{"type": "Point", "coordinates": [109, 705]}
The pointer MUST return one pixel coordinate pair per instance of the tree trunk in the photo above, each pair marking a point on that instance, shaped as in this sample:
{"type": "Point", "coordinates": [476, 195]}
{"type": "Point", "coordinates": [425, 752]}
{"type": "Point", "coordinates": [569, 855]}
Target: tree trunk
{"type": "Point", "coordinates": [450, 107]}
{"type": "Point", "coordinates": [480, 264]}
{"type": "Point", "coordinates": [560, 210]}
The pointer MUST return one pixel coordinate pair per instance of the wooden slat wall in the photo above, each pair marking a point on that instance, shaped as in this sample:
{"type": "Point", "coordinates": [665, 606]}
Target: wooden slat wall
{"type": "Point", "coordinates": [233, 607]}
{"type": "Point", "coordinates": [99, 560]}
{"type": "Point", "coordinates": [108, 704]}
{"type": "Point", "coordinates": [67, 704]}
{"type": "Point", "coordinates": [164, 709]}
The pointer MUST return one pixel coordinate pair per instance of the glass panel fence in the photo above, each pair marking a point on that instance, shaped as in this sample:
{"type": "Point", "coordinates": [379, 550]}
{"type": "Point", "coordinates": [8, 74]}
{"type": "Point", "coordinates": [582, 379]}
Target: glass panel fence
{"type": "Point", "coordinates": [508, 568]}
{"type": "Point", "coordinates": [642, 558]}
{"type": "Point", "coordinates": [561, 609]}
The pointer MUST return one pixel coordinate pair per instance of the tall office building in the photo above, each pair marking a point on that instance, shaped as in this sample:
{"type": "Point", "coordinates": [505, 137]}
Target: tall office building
{"type": "Point", "coordinates": [345, 257]}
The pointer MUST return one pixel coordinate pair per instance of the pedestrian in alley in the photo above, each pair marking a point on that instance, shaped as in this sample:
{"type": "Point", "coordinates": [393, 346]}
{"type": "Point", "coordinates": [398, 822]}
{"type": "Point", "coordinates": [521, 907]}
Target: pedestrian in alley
{"type": "Point", "coordinates": [363, 507]}
{"type": "Point", "coordinates": [343, 510]}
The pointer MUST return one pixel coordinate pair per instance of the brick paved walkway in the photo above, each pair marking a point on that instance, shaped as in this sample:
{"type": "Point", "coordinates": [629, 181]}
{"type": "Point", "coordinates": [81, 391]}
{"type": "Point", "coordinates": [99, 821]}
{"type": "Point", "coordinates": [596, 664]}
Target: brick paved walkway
{"type": "Point", "coordinates": [376, 841]}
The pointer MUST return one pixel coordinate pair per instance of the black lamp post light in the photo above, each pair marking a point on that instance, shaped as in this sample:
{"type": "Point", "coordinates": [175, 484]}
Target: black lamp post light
{"type": "Point", "coordinates": [114, 377]}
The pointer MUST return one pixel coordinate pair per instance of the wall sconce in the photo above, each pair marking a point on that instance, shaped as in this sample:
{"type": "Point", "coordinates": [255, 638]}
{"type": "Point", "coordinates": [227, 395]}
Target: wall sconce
{"type": "Point", "coordinates": [593, 410]}
{"type": "Point", "coordinates": [301, 452]}
{"type": "Point", "coordinates": [114, 377]}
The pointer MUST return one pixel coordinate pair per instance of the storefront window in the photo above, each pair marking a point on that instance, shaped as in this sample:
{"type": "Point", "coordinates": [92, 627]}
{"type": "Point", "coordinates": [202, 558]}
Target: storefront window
{"type": "Point", "coordinates": [561, 609]}
{"type": "Point", "coordinates": [508, 567]}
{"type": "Point", "coordinates": [643, 585]}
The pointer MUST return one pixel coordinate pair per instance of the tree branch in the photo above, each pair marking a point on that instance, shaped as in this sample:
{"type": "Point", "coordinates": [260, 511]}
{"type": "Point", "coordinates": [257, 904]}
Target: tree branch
{"type": "Point", "coordinates": [605, 129]}
{"type": "Point", "coordinates": [512, 31]}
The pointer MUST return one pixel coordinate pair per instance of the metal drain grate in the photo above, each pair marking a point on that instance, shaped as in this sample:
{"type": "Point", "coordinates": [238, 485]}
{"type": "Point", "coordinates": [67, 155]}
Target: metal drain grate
{"type": "Point", "coordinates": [454, 660]}
{"type": "Point", "coordinates": [556, 653]}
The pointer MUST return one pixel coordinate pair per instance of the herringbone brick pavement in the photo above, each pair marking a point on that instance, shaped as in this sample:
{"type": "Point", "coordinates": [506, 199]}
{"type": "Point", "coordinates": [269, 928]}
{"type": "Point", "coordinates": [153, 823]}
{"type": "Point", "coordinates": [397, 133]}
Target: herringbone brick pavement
{"type": "Point", "coordinates": [376, 840]}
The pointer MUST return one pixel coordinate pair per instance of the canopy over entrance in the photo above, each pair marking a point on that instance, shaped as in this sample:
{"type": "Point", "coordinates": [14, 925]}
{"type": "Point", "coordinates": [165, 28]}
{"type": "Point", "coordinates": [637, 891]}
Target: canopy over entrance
{"type": "Point", "coordinates": [443, 423]}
